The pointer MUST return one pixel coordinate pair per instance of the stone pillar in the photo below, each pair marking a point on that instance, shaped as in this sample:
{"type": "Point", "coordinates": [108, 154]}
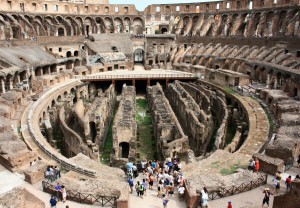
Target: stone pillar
{"type": "Point", "coordinates": [133, 82]}
{"type": "Point", "coordinates": [2, 85]}
{"type": "Point", "coordinates": [268, 80]}
{"type": "Point", "coordinates": [148, 82]}
{"type": "Point", "coordinates": [10, 81]}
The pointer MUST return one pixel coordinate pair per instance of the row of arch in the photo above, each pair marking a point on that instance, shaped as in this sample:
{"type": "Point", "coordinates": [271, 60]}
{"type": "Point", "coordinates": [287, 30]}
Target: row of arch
{"type": "Point", "coordinates": [24, 26]}
{"type": "Point", "coordinates": [259, 24]}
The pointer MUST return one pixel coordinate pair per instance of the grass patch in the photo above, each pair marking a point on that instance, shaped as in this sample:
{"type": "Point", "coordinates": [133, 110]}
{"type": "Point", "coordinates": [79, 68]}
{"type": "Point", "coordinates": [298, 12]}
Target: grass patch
{"type": "Point", "coordinates": [215, 164]}
{"type": "Point", "coordinates": [144, 130]}
{"type": "Point", "coordinates": [232, 169]}
{"type": "Point", "coordinates": [108, 144]}
{"type": "Point", "coordinates": [230, 91]}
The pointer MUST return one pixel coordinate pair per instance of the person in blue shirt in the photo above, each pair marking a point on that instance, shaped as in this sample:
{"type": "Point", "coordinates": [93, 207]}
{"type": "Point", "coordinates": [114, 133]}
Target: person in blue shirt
{"type": "Point", "coordinates": [53, 202]}
{"type": "Point", "coordinates": [131, 184]}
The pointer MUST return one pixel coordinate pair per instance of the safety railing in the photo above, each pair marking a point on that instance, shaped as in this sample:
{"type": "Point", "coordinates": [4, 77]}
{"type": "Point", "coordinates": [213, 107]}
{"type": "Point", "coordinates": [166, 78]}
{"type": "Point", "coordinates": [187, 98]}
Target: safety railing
{"type": "Point", "coordinates": [100, 200]}
{"type": "Point", "coordinates": [135, 76]}
{"type": "Point", "coordinates": [232, 190]}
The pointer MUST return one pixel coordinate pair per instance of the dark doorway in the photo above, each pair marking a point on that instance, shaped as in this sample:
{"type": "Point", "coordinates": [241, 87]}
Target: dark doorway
{"type": "Point", "coordinates": [93, 131]}
{"type": "Point", "coordinates": [61, 32]}
{"type": "Point", "coordinates": [140, 86]}
{"type": "Point", "coordinates": [124, 149]}
{"type": "Point", "coordinates": [87, 30]}
{"type": "Point", "coordinates": [164, 30]}
{"type": "Point", "coordinates": [119, 85]}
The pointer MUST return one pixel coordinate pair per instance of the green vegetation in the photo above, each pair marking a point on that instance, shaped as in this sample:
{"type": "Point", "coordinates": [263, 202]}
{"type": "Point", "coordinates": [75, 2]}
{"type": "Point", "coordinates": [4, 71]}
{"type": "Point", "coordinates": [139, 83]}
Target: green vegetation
{"type": "Point", "coordinates": [215, 164]}
{"type": "Point", "coordinates": [230, 91]}
{"type": "Point", "coordinates": [108, 144]}
{"type": "Point", "coordinates": [145, 138]}
{"type": "Point", "coordinates": [232, 169]}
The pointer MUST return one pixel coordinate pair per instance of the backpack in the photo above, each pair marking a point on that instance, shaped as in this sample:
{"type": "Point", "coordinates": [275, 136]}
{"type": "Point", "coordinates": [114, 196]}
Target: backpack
{"type": "Point", "coordinates": [141, 187]}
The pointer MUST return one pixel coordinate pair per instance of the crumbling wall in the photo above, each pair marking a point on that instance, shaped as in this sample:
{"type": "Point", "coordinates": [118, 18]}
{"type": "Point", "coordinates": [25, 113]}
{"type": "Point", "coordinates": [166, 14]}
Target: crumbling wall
{"type": "Point", "coordinates": [196, 123]}
{"type": "Point", "coordinates": [169, 135]}
{"type": "Point", "coordinates": [21, 198]}
{"type": "Point", "coordinates": [124, 128]}
{"type": "Point", "coordinates": [289, 199]}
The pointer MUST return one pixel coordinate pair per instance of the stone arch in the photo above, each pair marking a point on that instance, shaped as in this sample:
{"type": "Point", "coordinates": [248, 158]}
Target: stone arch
{"type": "Point", "coordinates": [138, 25]}
{"type": "Point", "coordinates": [76, 53]}
{"type": "Point", "coordinates": [67, 25]}
{"type": "Point", "coordinates": [89, 26]}
{"type": "Point", "coordinates": [257, 17]}
{"type": "Point", "coordinates": [58, 99]}
{"type": "Point", "coordinates": [61, 31]}
{"type": "Point", "coordinates": [79, 22]}
{"type": "Point", "coordinates": [282, 18]}
{"type": "Point", "coordinates": [39, 26]}
{"type": "Point", "coordinates": [100, 25]}
{"type": "Point", "coordinates": [76, 62]}
{"type": "Point", "coordinates": [163, 30]}
{"type": "Point", "coordinates": [127, 24]}
{"type": "Point", "coordinates": [269, 24]}
{"type": "Point", "coordinates": [68, 54]}
{"type": "Point", "coordinates": [118, 25]}
{"type": "Point", "coordinates": [69, 64]}
{"type": "Point", "coordinates": [109, 26]}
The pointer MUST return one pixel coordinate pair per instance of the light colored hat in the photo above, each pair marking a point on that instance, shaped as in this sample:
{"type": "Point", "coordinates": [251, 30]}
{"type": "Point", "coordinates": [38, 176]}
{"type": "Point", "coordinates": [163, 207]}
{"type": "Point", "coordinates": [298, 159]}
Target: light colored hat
{"type": "Point", "coordinates": [267, 189]}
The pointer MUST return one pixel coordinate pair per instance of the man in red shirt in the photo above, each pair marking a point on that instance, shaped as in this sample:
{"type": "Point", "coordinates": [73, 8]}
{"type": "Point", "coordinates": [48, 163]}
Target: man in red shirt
{"type": "Point", "coordinates": [288, 183]}
{"type": "Point", "coordinates": [229, 205]}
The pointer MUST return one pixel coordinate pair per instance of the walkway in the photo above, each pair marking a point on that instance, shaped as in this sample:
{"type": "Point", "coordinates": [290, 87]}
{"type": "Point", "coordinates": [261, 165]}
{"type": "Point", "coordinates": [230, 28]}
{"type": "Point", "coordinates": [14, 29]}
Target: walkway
{"type": "Point", "coordinates": [151, 200]}
{"type": "Point", "coordinates": [137, 74]}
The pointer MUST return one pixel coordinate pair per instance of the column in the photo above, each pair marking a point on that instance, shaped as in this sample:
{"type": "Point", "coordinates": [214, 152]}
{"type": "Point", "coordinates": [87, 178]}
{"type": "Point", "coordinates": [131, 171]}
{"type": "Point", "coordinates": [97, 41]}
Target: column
{"type": "Point", "coordinates": [2, 85]}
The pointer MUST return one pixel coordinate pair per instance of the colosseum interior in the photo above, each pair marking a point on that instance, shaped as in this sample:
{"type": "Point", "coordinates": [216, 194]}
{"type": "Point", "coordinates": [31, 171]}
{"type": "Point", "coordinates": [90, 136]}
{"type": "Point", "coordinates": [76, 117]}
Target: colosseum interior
{"type": "Point", "coordinates": [89, 86]}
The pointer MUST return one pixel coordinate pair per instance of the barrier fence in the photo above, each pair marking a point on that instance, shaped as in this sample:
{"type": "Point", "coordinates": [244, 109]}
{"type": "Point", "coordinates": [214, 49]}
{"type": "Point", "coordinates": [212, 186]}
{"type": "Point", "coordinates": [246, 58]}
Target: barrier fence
{"type": "Point", "coordinates": [232, 190]}
{"type": "Point", "coordinates": [100, 200]}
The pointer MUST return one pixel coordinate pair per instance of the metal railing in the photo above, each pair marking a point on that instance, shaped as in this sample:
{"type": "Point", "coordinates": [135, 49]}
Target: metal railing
{"type": "Point", "coordinates": [102, 200]}
{"type": "Point", "coordinates": [135, 76]}
{"type": "Point", "coordinates": [232, 190]}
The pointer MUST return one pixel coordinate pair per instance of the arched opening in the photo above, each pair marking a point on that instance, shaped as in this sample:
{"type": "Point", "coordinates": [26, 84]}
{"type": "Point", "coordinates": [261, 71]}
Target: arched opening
{"type": "Point", "coordinates": [124, 149]}
{"type": "Point", "coordinates": [164, 30]}
{"type": "Point", "coordinates": [69, 54]}
{"type": "Point", "coordinates": [139, 56]}
{"type": "Point", "coordinates": [93, 131]}
{"type": "Point", "coordinates": [77, 62]}
{"type": "Point", "coordinates": [69, 65]}
{"type": "Point", "coordinates": [61, 32]}
{"type": "Point", "coordinates": [75, 53]}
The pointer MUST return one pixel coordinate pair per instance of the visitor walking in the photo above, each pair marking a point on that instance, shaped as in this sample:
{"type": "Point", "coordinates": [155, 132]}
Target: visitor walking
{"type": "Point", "coordinates": [131, 184]}
{"type": "Point", "coordinates": [141, 190]}
{"type": "Point", "coordinates": [53, 202]}
{"type": "Point", "coordinates": [137, 188]}
{"type": "Point", "coordinates": [165, 201]}
{"type": "Point", "coordinates": [64, 193]}
{"type": "Point", "coordinates": [171, 190]}
{"type": "Point", "coordinates": [145, 186]}
{"type": "Point", "coordinates": [181, 190]}
{"type": "Point", "coordinates": [266, 199]}
{"type": "Point", "coordinates": [288, 183]}
{"type": "Point", "coordinates": [204, 198]}
{"type": "Point", "coordinates": [229, 204]}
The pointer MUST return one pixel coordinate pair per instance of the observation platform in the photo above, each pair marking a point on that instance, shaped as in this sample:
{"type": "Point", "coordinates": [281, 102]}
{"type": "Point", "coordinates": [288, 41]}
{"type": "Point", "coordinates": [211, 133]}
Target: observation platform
{"type": "Point", "coordinates": [154, 74]}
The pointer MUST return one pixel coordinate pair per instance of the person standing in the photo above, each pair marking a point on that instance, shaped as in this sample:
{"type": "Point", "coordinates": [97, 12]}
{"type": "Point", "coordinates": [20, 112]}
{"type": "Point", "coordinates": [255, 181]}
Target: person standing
{"type": "Point", "coordinates": [145, 185]}
{"type": "Point", "coordinates": [141, 189]}
{"type": "Point", "coordinates": [165, 201]}
{"type": "Point", "coordinates": [131, 184]}
{"type": "Point", "coordinates": [53, 202]}
{"type": "Point", "coordinates": [229, 204]}
{"type": "Point", "coordinates": [64, 193]}
{"type": "Point", "coordinates": [181, 190]}
{"type": "Point", "coordinates": [204, 198]}
{"type": "Point", "coordinates": [137, 188]}
{"type": "Point", "coordinates": [266, 197]}
{"type": "Point", "coordinates": [256, 165]}
{"type": "Point", "coordinates": [298, 161]}
{"type": "Point", "coordinates": [288, 183]}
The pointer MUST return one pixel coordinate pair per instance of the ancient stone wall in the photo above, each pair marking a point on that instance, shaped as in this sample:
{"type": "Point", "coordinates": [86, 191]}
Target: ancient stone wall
{"type": "Point", "coordinates": [124, 128]}
{"type": "Point", "coordinates": [100, 112]}
{"type": "Point", "coordinates": [196, 123]}
{"type": "Point", "coordinates": [290, 199]}
{"type": "Point", "coordinates": [20, 197]}
{"type": "Point", "coordinates": [170, 138]}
